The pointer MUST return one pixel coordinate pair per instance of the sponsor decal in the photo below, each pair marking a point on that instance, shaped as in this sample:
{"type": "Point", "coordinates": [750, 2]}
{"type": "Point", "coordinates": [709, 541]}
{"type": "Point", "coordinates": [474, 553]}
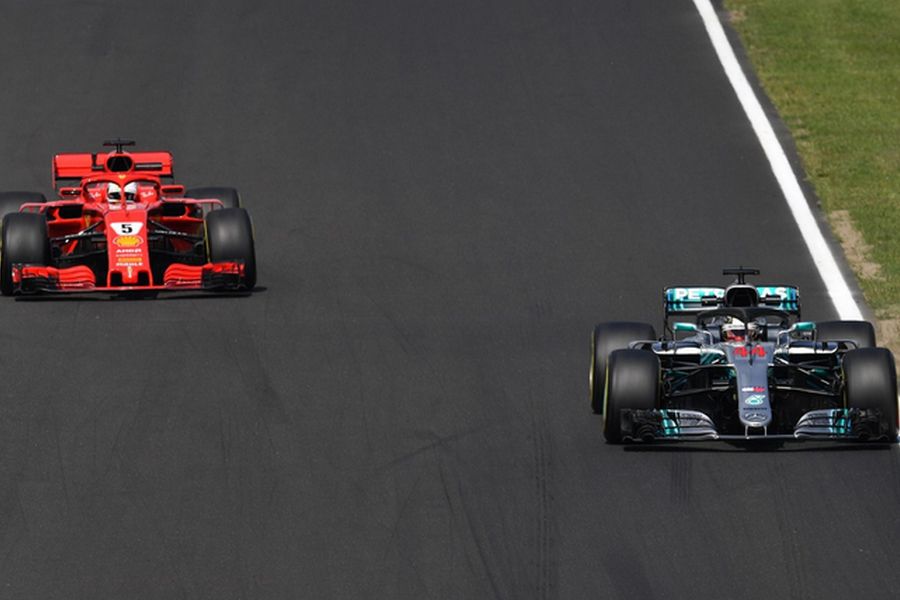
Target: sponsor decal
{"type": "Point", "coordinates": [741, 351]}
{"type": "Point", "coordinates": [759, 351]}
{"type": "Point", "coordinates": [753, 388]}
{"type": "Point", "coordinates": [768, 290]}
{"type": "Point", "coordinates": [694, 294]}
{"type": "Point", "coordinates": [128, 241]}
{"type": "Point", "coordinates": [127, 227]}
{"type": "Point", "coordinates": [783, 292]}
{"type": "Point", "coordinates": [755, 399]}
{"type": "Point", "coordinates": [130, 260]}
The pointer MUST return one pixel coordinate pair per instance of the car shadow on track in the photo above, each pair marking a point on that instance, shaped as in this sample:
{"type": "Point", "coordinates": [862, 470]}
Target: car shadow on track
{"type": "Point", "coordinates": [762, 448]}
{"type": "Point", "coordinates": [138, 295]}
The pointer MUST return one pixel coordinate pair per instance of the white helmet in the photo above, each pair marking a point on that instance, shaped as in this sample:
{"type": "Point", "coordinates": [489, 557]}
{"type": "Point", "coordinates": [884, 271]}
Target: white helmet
{"type": "Point", "coordinates": [131, 190]}
{"type": "Point", "coordinates": [734, 330]}
{"type": "Point", "coordinates": [113, 193]}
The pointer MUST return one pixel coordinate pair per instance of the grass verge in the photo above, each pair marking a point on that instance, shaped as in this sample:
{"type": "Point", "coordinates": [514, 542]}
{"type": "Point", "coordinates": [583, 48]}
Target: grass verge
{"type": "Point", "coordinates": [832, 68]}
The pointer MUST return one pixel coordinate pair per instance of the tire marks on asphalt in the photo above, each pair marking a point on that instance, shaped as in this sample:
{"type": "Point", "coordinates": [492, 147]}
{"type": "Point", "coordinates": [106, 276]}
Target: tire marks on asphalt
{"type": "Point", "coordinates": [540, 439]}
{"type": "Point", "coordinates": [792, 551]}
{"type": "Point", "coordinates": [680, 480]}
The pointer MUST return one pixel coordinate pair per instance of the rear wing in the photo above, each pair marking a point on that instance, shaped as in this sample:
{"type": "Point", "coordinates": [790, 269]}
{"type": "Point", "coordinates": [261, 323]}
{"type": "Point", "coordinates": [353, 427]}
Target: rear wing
{"type": "Point", "coordinates": [69, 168]}
{"type": "Point", "coordinates": [688, 300]}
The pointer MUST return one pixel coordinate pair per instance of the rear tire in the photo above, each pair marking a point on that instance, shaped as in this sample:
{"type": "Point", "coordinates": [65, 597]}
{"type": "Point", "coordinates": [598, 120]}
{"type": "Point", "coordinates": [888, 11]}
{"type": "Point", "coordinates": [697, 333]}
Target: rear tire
{"type": "Point", "coordinates": [11, 201]}
{"type": "Point", "coordinates": [606, 338]}
{"type": "Point", "coordinates": [860, 332]}
{"type": "Point", "coordinates": [228, 196]}
{"type": "Point", "coordinates": [870, 381]}
{"type": "Point", "coordinates": [24, 241]}
{"type": "Point", "coordinates": [229, 236]}
{"type": "Point", "coordinates": [632, 382]}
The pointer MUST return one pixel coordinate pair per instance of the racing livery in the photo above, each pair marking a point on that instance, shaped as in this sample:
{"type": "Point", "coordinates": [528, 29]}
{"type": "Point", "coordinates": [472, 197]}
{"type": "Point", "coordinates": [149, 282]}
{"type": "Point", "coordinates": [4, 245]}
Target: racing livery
{"type": "Point", "coordinates": [746, 369]}
{"type": "Point", "coordinates": [120, 225]}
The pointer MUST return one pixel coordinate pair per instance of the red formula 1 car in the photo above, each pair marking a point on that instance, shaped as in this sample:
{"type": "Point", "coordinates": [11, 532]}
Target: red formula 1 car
{"type": "Point", "coordinates": [122, 229]}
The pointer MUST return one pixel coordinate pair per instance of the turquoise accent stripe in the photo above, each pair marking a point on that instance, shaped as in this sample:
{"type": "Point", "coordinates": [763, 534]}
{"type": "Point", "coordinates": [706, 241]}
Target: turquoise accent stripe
{"type": "Point", "coordinates": [842, 421]}
{"type": "Point", "coordinates": [670, 428]}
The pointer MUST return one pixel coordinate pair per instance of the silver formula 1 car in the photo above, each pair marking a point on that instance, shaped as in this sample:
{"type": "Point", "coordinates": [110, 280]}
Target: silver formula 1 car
{"type": "Point", "coordinates": [745, 369]}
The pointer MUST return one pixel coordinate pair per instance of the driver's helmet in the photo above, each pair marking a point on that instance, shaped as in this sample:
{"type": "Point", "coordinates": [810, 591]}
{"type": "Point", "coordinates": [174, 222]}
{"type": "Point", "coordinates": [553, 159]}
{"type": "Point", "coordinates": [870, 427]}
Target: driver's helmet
{"type": "Point", "coordinates": [131, 190]}
{"type": "Point", "coordinates": [113, 193]}
{"type": "Point", "coordinates": [735, 330]}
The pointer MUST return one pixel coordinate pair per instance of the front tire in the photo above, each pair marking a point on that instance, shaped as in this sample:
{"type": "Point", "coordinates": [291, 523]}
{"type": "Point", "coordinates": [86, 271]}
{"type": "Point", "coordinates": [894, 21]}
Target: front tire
{"type": "Point", "coordinates": [632, 382]}
{"type": "Point", "coordinates": [606, 338]}
{"type": "Point", "coordinates": [229, 236]}
{"type": "Point", "coordinates": [24, 241]}
{"type": "Point", "coordinates": [870, 382]}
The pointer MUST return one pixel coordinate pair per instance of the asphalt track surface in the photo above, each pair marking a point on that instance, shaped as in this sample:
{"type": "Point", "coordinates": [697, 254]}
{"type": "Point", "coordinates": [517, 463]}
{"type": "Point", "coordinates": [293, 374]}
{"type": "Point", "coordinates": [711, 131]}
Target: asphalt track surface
{"type": "Point", "coordinates": [446, 195]}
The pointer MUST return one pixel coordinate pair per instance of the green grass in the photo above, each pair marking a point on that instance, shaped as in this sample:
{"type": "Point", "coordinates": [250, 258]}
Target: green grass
{"type": "Point", "coordinates": [832, 68]}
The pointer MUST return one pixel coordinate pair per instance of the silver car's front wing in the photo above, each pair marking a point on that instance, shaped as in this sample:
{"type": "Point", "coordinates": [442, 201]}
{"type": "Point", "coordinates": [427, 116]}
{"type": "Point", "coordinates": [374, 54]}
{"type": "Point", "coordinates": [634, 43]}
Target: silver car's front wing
{"type": "Point", "coordinates": [851, 424]}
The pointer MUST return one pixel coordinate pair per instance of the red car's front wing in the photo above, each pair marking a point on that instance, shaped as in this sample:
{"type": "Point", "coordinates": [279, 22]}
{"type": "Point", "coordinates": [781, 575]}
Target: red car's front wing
{"type": "Point", "coordinates": [222, 276]}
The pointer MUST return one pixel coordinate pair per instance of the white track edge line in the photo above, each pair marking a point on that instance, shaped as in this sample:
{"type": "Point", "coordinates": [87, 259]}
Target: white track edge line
{"type": "Point", "coordinates": [844, 304]}
{"type": "Point", "coordinates": [838, 290]}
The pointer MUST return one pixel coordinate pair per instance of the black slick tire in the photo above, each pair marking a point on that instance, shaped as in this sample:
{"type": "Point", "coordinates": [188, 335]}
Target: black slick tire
{"type": "Point", "coordinates": [606, 338]}
{"type": "Point", "coordinates": [229, 236]}
{"type": "Point", "coordinates": [24, 241]}
{"type": "Point", "coordinates": [632, 382]}
{"type": "Point", "coordinates": [870, 382]}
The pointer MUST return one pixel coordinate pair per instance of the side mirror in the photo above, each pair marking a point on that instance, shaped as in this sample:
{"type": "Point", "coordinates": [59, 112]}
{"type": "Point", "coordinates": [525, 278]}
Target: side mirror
{"type": "Point", "coordinates": [172, 190]}
{"type": "Point", "coordinates": [69, 192]}
{"type": "Point", "coordinates": [801, 327]}
{"type": "Point", "coordinates": [685, 327]}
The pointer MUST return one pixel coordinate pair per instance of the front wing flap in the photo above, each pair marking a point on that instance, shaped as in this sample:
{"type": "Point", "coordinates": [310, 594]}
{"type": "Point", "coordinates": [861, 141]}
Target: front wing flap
{"type": "Point", "coordinates": [677, 425]}
{"type": "Point", "coordinates": [220, 276]}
